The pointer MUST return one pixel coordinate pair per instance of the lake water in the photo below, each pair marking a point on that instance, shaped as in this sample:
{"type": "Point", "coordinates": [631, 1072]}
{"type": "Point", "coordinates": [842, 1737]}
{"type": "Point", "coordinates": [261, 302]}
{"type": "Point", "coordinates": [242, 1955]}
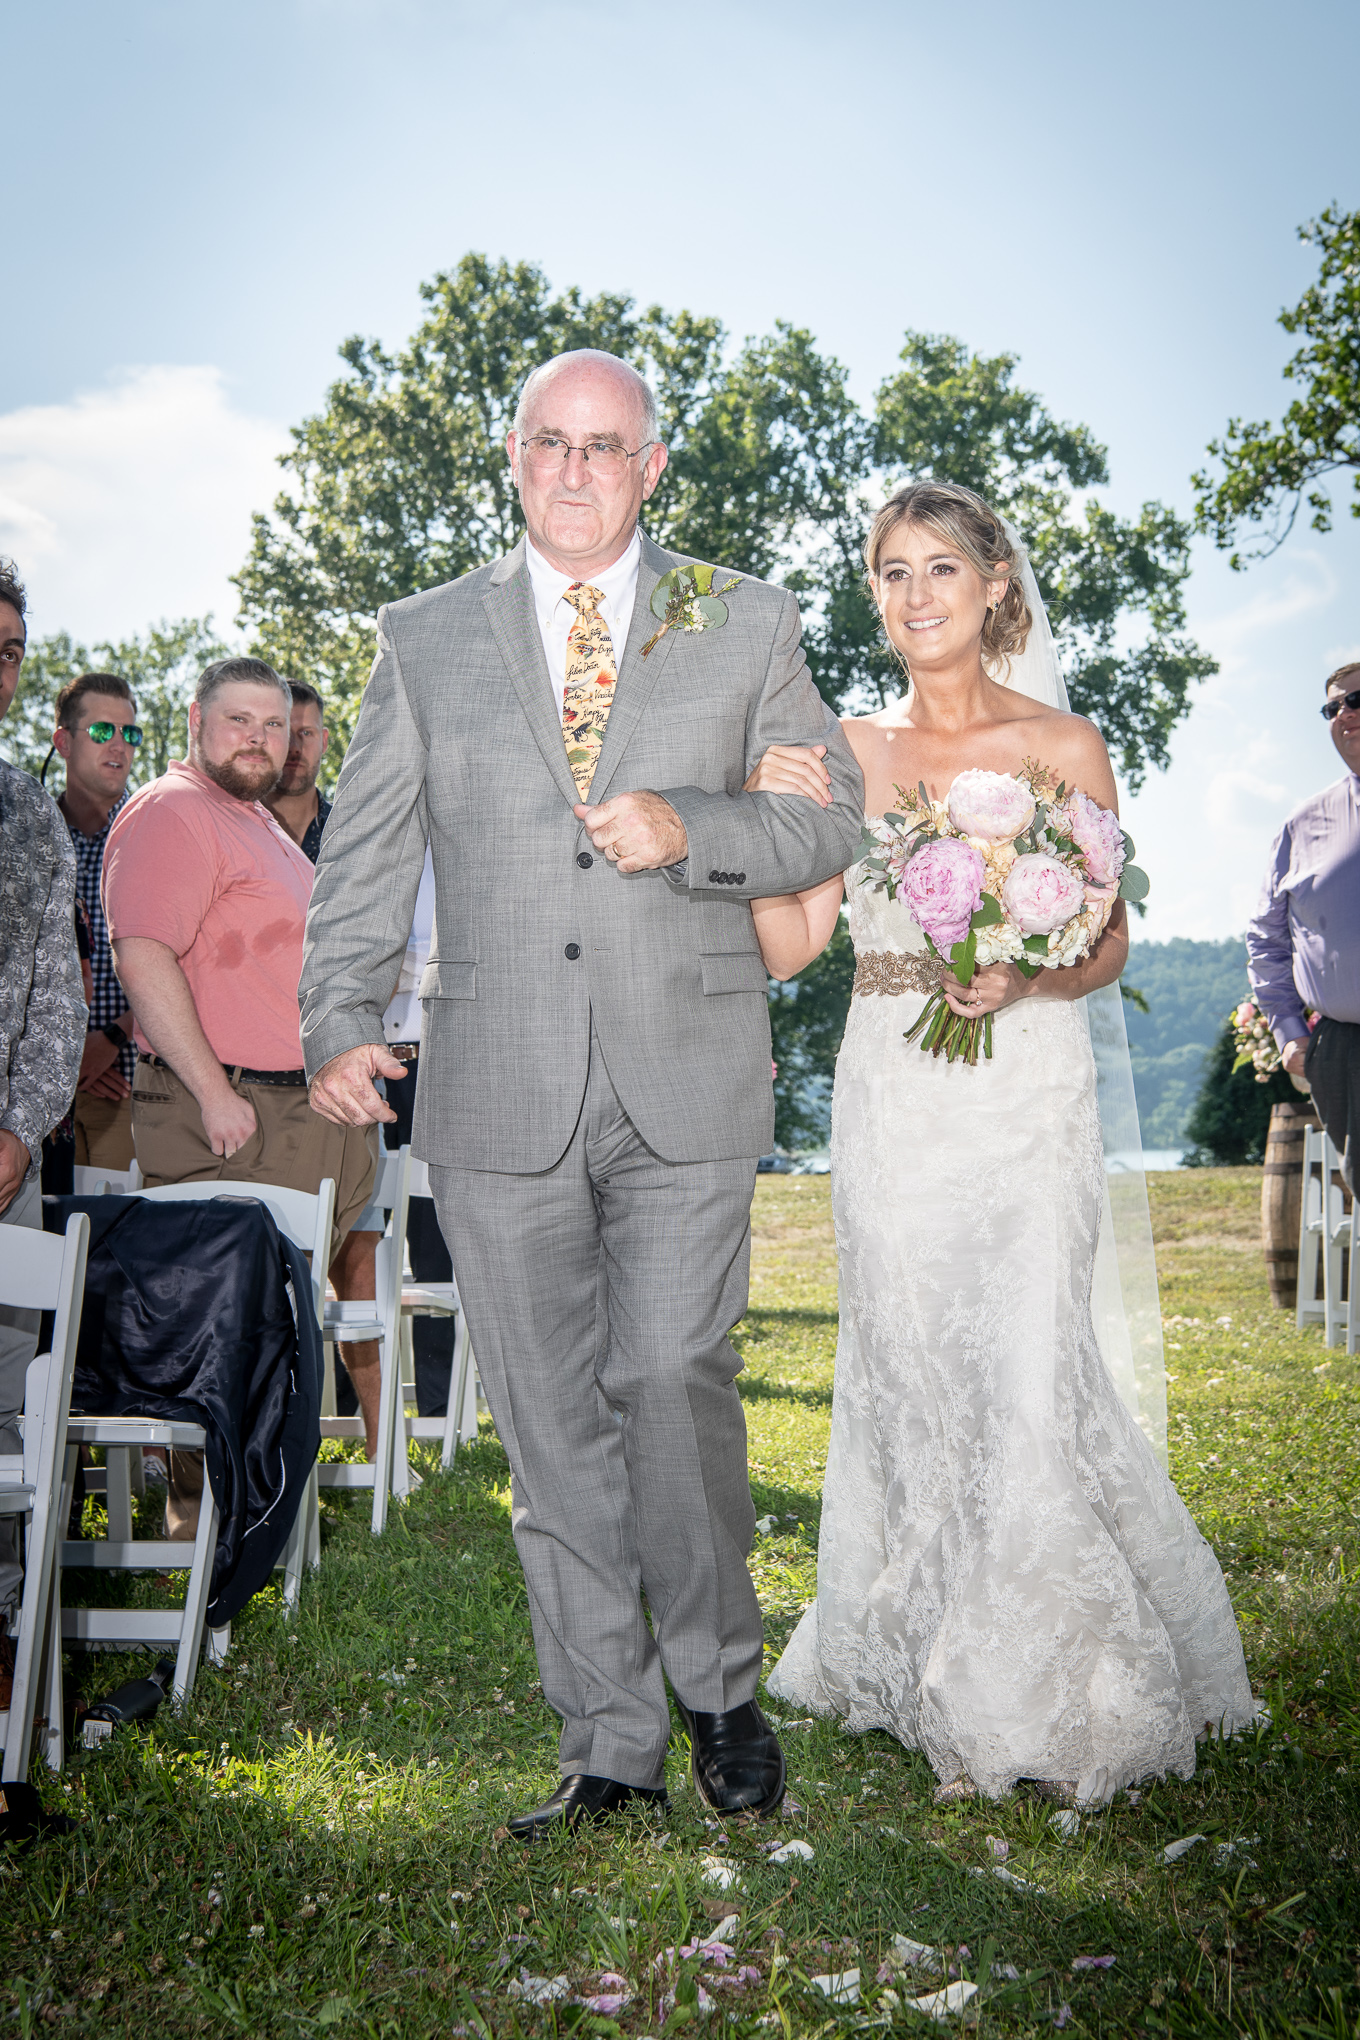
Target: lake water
{"type": "Point", "coordinates": [1152, 1158]}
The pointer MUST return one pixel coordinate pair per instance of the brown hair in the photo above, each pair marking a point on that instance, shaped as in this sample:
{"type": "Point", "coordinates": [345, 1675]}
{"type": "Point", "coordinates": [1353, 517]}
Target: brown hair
{"type": "Point", "coordinates": [1341, 673]}
{"type": "Point", "coordinates": [75, 691]}
{"type": "Point", "coordinates": [970, 527]}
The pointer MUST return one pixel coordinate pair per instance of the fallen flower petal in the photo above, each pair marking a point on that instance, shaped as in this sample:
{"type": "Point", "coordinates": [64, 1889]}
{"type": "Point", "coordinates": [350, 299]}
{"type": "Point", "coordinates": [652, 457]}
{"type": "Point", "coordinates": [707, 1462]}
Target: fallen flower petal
{"type": "Point", "coordinates": [607, 2002]}
{"type": "Point", "coordinates": [1061, 2016]}
{"type": "Point", "coordinates": [938, 2004]}
{"type": "Point", "coordinates": [1067, 1822]}
{"type": "Point", "coordinates": [999, 1847]}
{"type": "Point", "coordinates": [909, 1954]}
{"type": "Point", "coordinates": [1092, 1962]}
{"type": "Point", "coordinates": [722, 1876]}
{"type": "Point", "coordinates": [1173, 1851]}
{"type": "Point", "coordinates": [842, 1987]}
{"type": "Point", "coordinates": [538, 1990]}
{"type": "Point", "coordinates": [793, 1852]}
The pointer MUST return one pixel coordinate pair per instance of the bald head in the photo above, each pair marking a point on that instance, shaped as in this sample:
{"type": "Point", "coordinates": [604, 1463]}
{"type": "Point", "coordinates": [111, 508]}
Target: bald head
{"type": "Point", "coordinates": [587, 368]}
{"type": "Point", "coordinates": [585, 458]}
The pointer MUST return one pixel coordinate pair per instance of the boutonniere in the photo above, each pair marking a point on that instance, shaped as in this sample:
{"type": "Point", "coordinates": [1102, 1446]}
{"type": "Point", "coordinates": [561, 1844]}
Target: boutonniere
{"type": "Point", "coordinates": [684, 599]}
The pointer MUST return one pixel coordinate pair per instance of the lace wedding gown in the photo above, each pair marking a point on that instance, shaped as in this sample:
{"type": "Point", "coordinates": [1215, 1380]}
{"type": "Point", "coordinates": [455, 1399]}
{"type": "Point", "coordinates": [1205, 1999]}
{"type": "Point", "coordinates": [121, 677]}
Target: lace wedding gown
{"type": "Point", "coordinates": [1006, 1579]}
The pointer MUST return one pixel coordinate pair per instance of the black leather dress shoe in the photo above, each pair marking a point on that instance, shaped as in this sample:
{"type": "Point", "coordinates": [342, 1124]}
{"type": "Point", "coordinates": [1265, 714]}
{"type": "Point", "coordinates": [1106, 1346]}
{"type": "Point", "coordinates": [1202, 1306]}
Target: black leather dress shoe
{"type": "Point", "coordinates": [584, 1798]}
{"type": "Point", "coordinates": [736, 1761]}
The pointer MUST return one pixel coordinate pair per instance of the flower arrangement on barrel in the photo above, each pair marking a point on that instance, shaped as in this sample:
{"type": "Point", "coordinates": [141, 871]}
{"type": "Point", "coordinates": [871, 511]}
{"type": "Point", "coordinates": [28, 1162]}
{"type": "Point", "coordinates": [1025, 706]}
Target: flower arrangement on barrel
{"type": "Point", "coordinates": [1007, 868]}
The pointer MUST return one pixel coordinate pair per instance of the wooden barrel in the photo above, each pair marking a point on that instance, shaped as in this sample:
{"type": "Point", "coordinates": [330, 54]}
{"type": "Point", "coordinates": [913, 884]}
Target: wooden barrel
{"type": "Point", "coordinates": [1282, 1198]}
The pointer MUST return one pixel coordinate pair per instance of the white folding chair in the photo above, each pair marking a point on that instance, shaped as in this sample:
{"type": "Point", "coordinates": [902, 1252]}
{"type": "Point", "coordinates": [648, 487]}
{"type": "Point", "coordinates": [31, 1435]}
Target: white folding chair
{"type": "Point", "coordinates": [92, 1182]}
{"type": "Point", "coordinates": [458, 1426]}
{"type": "Point", "coordinates": [388, 1472]}
{"type": "Point", "coordinates": [305, 1218]}
{"type": "Point", "coordinates": [40, 1272]}
{"type": "Point", "coordinates": [1327, 1230]}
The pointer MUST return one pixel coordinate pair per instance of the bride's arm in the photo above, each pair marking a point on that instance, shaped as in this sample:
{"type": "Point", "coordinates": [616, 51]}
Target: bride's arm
{"type": "Point", "coordinates": [1082, 758]}
{"type": "Point", "coordinates": [792, 930]}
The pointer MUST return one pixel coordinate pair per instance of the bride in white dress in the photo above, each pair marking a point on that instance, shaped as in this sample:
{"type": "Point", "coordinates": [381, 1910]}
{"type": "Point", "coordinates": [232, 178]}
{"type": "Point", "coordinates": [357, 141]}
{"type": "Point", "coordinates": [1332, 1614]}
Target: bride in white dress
{"type": "Point", "coordinates": [1007, 1579]}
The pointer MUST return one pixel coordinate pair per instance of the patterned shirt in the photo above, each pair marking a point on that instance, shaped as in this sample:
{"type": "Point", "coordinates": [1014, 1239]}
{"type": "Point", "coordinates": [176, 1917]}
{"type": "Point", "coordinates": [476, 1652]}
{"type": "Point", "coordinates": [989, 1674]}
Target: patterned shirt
{"type": "Point", "coordinates": [311, 842]}
{"type": "Point", "coordinates": [42, 1000]}
{"type": "Point", "coordinates": [109, 997]}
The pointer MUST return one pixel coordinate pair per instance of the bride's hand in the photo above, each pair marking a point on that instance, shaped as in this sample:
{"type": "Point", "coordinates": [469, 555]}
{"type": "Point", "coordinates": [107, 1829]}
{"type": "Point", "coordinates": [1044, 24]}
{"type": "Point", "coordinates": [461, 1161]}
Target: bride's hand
{"type": "Point", "coordinates": [992, 986]}
{"type": "Point", "coordinates": [793, 768]}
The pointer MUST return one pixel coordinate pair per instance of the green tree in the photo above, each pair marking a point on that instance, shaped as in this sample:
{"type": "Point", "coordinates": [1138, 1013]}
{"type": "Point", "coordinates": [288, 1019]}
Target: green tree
{"type": "Point", "coordinates": [161, 667]}
{"type": "Point", "coordinates": [1231, 1116]}
{"type": "Point", "coordinates": [400, 482]}
{"type": "Point", "coordinates": [1268, 472]}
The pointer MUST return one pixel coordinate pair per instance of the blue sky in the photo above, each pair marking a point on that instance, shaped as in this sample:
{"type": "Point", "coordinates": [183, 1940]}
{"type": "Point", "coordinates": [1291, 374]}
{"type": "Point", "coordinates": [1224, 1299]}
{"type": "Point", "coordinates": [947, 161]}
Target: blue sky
{"type": "Point", "coordinates": [208, 199]}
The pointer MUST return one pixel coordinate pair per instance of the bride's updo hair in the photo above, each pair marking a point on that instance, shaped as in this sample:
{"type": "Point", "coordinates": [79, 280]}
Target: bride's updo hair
{"type": "Point", "coordinates": [970, 527]}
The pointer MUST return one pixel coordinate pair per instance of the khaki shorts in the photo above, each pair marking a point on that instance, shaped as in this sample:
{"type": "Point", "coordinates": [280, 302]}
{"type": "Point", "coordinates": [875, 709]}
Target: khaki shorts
{"type": "Point", "coordinates": [103, 1131]}
{"type": "Point", "coordinates": [293, 1147]}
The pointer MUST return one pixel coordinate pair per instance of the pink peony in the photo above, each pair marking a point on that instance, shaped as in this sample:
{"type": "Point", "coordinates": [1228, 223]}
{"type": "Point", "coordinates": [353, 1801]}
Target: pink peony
{"type": "Point", "coordinates": [1097, 834]}
{"type": "Point", "coordinates": [991, 805]}
{"type": "Point", "coordinates": [942, 886]}
{"type": "Point", "coordinates": [1041, 894]}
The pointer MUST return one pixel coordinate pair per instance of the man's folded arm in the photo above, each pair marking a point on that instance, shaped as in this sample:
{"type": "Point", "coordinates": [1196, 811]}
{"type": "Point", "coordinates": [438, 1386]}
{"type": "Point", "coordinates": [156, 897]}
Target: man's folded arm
{"type": "Point", "coordinates": [1270, 951]}
{"type": "Point", "coordinates": [765, 844]}
{"type": "Point", "coordinates": [368, 872]}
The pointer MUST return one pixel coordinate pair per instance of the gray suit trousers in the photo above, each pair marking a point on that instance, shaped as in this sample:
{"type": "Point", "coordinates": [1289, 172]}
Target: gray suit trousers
{"type": "Point", "coordinates": [599, 1295]}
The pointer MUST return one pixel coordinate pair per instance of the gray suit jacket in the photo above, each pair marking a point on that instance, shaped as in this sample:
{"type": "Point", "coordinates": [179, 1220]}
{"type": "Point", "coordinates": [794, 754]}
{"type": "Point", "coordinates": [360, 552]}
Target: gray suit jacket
{"type": "Point", "coordinates": [459, 742]}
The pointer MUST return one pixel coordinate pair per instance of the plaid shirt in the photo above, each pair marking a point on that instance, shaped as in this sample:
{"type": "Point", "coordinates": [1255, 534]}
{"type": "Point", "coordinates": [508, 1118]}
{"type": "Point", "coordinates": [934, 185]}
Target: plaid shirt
{"type": "Point", "coordinates": [109, 997]}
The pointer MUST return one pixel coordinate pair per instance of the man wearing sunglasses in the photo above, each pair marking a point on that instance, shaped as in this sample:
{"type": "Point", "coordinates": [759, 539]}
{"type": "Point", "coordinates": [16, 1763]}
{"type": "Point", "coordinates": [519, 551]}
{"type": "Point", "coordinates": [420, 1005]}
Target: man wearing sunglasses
{"type": "Point", "coordinates": [98, 740]}
{"type": "Point", "coordinates": [1303, 948]}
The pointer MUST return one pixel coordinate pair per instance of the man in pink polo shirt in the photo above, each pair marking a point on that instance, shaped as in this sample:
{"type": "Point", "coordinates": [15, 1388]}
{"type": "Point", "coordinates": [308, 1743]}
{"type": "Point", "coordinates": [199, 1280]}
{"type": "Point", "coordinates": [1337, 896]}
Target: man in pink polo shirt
{"type": "Point", "coordinates": [206, 899]}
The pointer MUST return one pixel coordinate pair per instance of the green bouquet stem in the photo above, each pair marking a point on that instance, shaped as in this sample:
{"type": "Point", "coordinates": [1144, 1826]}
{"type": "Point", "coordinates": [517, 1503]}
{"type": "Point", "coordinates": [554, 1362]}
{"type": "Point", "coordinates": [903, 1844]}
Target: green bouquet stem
{"type": "Point", "coordinates": [944, 1032]}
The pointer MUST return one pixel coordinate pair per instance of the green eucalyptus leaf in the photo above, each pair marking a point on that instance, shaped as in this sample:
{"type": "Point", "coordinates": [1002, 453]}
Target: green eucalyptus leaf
{"type": "Point", "coordinates": [660, 601]}
{"type": "Point", "coordinates": [711, 609]}
{"type": "Point", "coordinates": [702, 578]}
{"type": "Point", "coordinates": [895, 821]}
{"type": "Point", "coordinates": [1128, 844]}
{"type": "Point", "coordinates": [1134, 884]}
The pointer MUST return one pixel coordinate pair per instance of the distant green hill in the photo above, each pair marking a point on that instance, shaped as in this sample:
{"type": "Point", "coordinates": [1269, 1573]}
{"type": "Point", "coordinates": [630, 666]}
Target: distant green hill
{"type": "Point", "coordinates": [1189, 987]}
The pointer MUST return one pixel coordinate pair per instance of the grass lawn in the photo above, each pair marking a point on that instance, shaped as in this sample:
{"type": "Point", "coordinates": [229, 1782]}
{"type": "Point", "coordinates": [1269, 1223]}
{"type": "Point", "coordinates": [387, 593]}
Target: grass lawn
{"type": "Point", "coordinates": [315, 1844]}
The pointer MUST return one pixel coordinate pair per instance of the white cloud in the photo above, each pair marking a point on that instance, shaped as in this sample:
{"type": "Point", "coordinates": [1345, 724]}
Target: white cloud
{"type": "Point", "coordinates": [132, 502]}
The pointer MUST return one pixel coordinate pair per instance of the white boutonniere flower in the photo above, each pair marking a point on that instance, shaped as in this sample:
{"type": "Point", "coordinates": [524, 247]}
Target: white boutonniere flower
{"type": "Point", "coordinates": [685, 599]}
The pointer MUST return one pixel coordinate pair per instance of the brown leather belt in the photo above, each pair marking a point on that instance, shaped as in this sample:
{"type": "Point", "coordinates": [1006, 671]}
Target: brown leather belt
{"type": "Point", "coordinates": [403, 1051]}
{"type": "Point", "coordinates": [289, 1080]}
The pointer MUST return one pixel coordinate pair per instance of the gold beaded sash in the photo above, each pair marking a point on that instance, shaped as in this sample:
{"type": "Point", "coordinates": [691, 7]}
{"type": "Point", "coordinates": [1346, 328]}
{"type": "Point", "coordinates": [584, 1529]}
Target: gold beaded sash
{"type": "Point", "coordinates": [891, 972]}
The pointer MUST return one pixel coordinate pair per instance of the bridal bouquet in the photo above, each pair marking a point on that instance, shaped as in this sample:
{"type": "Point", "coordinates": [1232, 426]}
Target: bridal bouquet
{"type": "Point", "coordinates": [1007, 868]}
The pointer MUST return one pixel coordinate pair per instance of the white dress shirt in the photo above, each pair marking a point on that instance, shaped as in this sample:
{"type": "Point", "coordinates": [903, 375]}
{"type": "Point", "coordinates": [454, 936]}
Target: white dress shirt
{"type": "Point", "coordinates": [401, 1021]}
{"type": "Point", "coordinates": [618, 589]}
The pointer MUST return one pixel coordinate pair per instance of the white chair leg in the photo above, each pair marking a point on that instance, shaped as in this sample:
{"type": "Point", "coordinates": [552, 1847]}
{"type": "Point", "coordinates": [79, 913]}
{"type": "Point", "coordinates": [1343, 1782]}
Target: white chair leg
{"type": "Point", "coordinates": [196, 1595]}
{"type": "Point", "coordinates": [219, 1643]}
{"type": "Point", "coordinates": [458, 1372]}
{"type": "Point", "coordinates": [389, 1390]}
{"type": "Point", "coordinates": [118, 1491]}
{"type": "Point", "coordinates": [51, 1699]}
{"type": "Point", "coordinates": [136, 1471]}
{"type": "Point", "coordinates": [1352, 1318]}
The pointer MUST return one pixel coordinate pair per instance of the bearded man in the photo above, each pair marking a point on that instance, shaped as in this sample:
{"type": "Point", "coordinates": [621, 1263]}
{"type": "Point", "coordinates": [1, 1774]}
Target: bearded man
{"type": "Point", "coordinates": [206, 902]}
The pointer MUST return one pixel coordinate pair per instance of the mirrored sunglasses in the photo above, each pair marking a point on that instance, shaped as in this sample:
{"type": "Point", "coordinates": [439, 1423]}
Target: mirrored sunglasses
{"type": "Point", "coordinates": [105, 732]}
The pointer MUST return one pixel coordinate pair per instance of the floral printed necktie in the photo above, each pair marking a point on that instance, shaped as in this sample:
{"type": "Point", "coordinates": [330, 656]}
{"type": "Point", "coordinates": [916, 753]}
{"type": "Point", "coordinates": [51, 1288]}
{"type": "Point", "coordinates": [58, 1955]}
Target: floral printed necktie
{"type": "Point", "coordinates": [591, 675]}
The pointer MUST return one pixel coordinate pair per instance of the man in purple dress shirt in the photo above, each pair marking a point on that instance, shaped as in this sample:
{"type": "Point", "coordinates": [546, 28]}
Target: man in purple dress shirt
{"type": "Point", "coordinates": [1303, 948]}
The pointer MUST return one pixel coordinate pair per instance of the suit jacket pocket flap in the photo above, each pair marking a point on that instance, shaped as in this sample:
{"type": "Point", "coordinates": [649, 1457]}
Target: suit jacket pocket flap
{"type": "Point", "coordinates": [742, 971]}
{"type": "Point", "coordinates": [441, 980]}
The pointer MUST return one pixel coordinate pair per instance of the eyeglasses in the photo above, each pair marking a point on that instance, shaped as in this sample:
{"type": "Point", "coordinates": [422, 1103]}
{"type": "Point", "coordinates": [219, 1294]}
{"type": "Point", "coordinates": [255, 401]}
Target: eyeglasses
{"type": "Point", "coordinates": [1332, 709]}
{"type": "Point", "coordinates": [608, 460]}
{"type": "Point", "coordinates": [105, 732]}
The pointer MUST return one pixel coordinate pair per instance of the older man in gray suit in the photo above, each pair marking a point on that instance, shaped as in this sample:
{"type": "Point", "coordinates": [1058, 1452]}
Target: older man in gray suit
{"type": "Point", "coordinates": [595, 1070]}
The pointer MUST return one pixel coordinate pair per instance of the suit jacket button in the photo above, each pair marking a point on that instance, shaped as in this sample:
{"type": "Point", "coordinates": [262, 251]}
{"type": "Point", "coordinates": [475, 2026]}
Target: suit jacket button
{"type": "Point", "coordinates": [584, 859]}
{"type": "Point", "coordinates": [715, 878]}
{"type": "Point", "coordinates": [741, 878]}
{"type": "Point", "coordinates": [572, 951]}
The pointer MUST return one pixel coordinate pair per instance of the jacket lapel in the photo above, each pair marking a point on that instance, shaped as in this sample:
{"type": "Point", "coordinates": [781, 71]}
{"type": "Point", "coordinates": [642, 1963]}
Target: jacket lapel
{"type": "Point", "coordinates": [509, 610]}
{"type": "Point", "coordinates": [637, 676]}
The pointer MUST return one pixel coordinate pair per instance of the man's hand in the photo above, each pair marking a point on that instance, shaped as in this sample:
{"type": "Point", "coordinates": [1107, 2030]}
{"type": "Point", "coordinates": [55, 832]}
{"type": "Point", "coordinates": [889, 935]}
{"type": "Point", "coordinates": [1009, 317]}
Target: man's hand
{"type": "Point", "coordinates": [14, 1161]}
{"type": "Point", "coordinates": [97, 1056]}
{"type": "Point", "coordinates": [343, 1090]}
{"type": "Point", "coordinates": [112, 1085]}
{"type": "Point", "coordinates": [636, 831]}
{"type": "Point", "coordinates": [1292, 1055]}
{"type": "Point", "coordinates": [229, 1122]}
